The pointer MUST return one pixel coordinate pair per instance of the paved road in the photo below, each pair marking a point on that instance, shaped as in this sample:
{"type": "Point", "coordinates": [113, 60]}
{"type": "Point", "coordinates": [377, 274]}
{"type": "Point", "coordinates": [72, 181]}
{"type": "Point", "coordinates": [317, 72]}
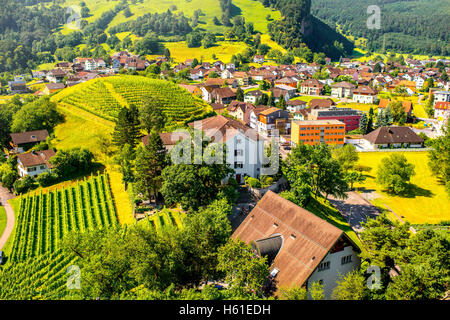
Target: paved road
{"type": "Point", "coordinates": [355, 209]}
{"type": "Point", "coordinates": [4, 197]}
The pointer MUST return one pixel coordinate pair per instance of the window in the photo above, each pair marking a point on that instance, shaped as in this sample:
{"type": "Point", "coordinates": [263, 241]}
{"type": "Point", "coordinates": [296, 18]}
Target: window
{"type": "Point", "coordinates": [238, 152]}
{"type": "Point", "coordinates": [346, 259]}
{"type": "Point", "coordinates": [238, 141]}
{"type": "Point", "coordinates": [238, 165]}
{"type": "Point", "coordinates": [274, 272]}
{"type": "Point", "coordinates": [324, 266]}
{"type": "Point", "coordinates": [42, 167]}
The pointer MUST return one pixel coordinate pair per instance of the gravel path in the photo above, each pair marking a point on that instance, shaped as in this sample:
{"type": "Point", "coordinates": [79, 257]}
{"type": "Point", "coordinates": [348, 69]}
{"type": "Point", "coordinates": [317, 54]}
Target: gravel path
{"type": "Point", "coordinates": [5, 195]}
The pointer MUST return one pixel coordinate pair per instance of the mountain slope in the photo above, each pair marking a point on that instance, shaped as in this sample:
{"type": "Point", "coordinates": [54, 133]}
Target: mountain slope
{"type": "Point", "coordinates": [409, 26]}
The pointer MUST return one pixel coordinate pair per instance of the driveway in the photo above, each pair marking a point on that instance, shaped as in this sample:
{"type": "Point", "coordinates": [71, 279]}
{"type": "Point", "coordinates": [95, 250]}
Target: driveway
{"type": "Point", "coordinates": [355, 209]}
{"type": "Point", "coordinates": [5, 195]}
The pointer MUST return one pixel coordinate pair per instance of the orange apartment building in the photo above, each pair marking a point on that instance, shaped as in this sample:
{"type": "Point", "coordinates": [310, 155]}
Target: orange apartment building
{"type": "Point", "coordinates": [314, 132]}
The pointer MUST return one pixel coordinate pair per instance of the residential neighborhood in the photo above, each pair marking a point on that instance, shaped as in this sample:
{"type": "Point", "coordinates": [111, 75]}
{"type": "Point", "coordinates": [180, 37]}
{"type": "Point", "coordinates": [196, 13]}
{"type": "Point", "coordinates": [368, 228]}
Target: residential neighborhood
{"type": "Point", "coordinates": [184, 156]}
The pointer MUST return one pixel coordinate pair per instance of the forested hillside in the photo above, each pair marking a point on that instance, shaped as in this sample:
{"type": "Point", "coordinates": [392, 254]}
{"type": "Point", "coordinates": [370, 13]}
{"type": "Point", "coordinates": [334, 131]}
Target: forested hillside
{"type": "Point", "coordinates": [408, 26]}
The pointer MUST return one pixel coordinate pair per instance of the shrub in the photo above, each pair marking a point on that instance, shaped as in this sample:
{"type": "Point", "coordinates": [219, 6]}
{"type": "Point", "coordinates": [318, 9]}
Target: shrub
{"type": "Point", "coordinates": [24, 185]}
{"type": "Point", "coordinates": [252, 182]}
{"type": "Point", "coordinates": [46, 179]}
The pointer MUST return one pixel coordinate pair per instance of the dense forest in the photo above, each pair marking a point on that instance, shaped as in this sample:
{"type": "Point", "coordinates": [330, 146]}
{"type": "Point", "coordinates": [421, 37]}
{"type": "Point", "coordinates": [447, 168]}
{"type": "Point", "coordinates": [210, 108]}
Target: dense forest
{"type": "Point", "coordinates": [418, 27]}
{"type": "Point", "coordinates": [299, 27]}
{"type": "Point", "coordinates": [163, 24]}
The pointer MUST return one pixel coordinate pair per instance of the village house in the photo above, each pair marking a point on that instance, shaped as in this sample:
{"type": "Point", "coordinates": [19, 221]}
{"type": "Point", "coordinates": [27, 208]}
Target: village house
{"type": "Point", "coordinates": [311, 87]}
{"type": "Point", "coordinates": [193, 89]}
{"type": "Point", "coordinates": [169, 139]}
{"type": "Point", "coordinates": [321, 103]}
{"type": "Point", "coordinates": [314, 132]}
{"type": "Point", "coordinates": [442, 110]}
{"type": "Point", "coordinates": [258, 59]}
{"type": "Point", "coordinates": [55, 76]}
{"type": "Point", "coordinates": [441, 96]}
{"type": "Point", "coordinates": [300, 247]}
{"type": "Point", "coordinates": [50, 88]}
{"type": "Point", "coordinates": [288, 82]}
{"type": "Point", "coordinates": [342, 89]}
{"type": "Point", "coordinates": [296, 105]}
{"type": "Point", "coordinates": [252, 96]}
{"type": "Point", "coordinates": [391, 137]}
{"type": "Point", "coordinates": [23, 141]}
{"type": "Point", "coordinates": [18, 86]}
{"type": "Point", "coordinates": [254, 116]}
{"type": "Point", "coordinates": [223, 95]}
{"type": "Point", "coordinates": [364, 94]}
{"type": "Point", "coordinates": [274, 119]}
{"type": "Point", "coordinates": [34, 163]}
{"type": "Point", "coordinates": [245, 148]}
{"type": "Point", "coordinates": [240, 110]}
{"type": "Point", "coordinates": [242, 78]}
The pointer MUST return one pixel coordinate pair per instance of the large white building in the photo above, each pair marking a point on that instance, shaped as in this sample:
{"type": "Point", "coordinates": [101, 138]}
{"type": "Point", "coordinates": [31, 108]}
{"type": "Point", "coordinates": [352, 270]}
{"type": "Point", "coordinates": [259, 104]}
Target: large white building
{"type": "Point", "coordinates": [244, 146]}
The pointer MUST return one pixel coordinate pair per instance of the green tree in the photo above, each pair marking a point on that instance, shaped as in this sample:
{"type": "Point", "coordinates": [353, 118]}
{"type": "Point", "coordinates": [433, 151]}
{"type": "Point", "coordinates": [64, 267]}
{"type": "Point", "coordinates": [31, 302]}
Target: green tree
{"type": "Point", "coordinates": [127, 128]}
{"type": "Point", "coordinates": [239, 94]}
{"type": "Point", "coordinates": [316, 291]}
{"type": "Point", "coordinates": [150, 162]}
{"type": "Point", "coordinates": [151, 115]}
{"type": "Point", "coordinates": [245, 271]}
{"type": "Point", "coordinates": [382, 240]}
{"type": "Point", "coordinates": [346, 156]}
{"type": "Point", "coordinates": [439, 158]}
{"type": "Point", "coordinates": [352, 286]}
{"type": "Point", "coordinates": [394, 173]}
{"type": "Point", "coordinates": [398, 112]}
{"type": "Point", "coordinates": [37, 115]}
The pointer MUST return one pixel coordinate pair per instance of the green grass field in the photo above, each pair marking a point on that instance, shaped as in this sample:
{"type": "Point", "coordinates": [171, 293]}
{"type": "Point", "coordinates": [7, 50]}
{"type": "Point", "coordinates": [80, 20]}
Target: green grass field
{"type": "Point", "coordinates": [83, 129]}
{"type": "Point", "coordinates": [2, 220]}
{"type": "Point", "coordinates": [426, 202]}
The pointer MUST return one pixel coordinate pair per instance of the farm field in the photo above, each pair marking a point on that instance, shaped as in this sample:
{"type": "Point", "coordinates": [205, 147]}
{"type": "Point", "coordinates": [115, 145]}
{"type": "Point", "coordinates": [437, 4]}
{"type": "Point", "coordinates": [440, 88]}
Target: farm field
{"type": "Point", "coordinates": [36, 267]}
{"type": "Point", "coordinates": [223, 50]}
{"type": "Point", "coordinates": [165, 218]}
{"type": "Point", "coordinates": [83, 129]}
{"type": "Point", "coordinates": [427, 202]}
{"type": "Point", "coordinates": [108, 95]}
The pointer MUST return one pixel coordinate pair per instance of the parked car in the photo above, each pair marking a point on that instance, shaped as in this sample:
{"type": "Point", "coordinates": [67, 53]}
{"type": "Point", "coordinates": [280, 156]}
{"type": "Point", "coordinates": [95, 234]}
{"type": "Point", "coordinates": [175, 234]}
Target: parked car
{"type": "Point", "coordinates": [1, 257]}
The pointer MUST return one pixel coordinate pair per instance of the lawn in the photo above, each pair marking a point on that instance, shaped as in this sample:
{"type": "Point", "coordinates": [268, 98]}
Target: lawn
{"type": "Point", "coordinates": [223, 50]}
{"type": "Point", "coordinates": [309, 98]}
{"type": "Point", "coordinates": [358, 106]}
{"type": "Point", "coordinates": [2, 220]}
{"type": "Point", "coordinates": [427, 201]}
{"type": "Point", "coordinates": [83, 129]}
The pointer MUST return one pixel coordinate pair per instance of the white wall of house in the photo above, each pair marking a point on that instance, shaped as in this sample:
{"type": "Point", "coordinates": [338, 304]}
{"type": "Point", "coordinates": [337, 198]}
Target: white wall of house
{"type": "Point", "coordinates": [32, 171]}
{"type": "Point", "coordinates": [336, 267]}
{"type": "Point", "coordinates": [247, 160]}
{"type": "Point", "coordinates": [361, 98]}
